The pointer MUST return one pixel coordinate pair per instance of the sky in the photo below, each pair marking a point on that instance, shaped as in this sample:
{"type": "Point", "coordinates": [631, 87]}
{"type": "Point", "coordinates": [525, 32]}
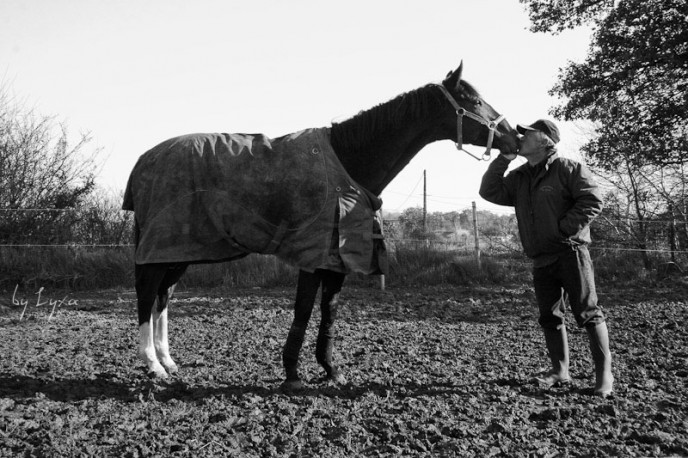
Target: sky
{"type": "Point", "coordinates": [133, 73]}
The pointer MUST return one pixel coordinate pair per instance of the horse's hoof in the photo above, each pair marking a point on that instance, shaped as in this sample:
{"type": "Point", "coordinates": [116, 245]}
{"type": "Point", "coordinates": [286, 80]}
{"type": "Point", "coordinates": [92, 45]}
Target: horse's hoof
{"type": "Point", "coordinates": [337, 378]}
{"type": "Point", "coordinates": [604, 386]}
{"type": "Point", "coordinates": [172, 368]}
{"type": "Point", "coordinates": [605, 393]}
{"type": "Point", "coordinates": [158, 374]}
{"type": "Point", "coordinates": [292, 386]}
{"type": "Point", "coordinates": [551, 380]}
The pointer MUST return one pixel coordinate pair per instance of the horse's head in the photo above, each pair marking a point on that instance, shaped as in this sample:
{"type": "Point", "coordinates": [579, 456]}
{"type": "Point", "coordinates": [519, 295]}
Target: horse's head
{"type": "Point", "coordinates": [475, 121]}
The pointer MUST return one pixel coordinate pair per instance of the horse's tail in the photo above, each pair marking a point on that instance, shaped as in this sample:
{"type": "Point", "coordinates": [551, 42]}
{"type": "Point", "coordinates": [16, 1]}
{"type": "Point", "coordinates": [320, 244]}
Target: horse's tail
{"type": "Point", "coordinates": [128, 201]}
{"type": "Point", "coordinates": [128, 204]}
{"type": "Point", "coordinates": [137, 233]}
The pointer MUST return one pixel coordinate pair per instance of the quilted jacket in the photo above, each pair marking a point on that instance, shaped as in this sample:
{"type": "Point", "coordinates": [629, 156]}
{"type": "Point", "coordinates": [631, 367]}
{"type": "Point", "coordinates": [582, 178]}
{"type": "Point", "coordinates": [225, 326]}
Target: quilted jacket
{"type": "Point", "coordinates": [555, 202]}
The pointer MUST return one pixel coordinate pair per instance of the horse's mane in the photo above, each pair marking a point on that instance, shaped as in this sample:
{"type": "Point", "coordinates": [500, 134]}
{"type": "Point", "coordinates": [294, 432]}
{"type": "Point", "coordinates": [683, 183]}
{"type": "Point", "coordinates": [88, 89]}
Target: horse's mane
{"type": "Point", "coordinates": [363, 129]}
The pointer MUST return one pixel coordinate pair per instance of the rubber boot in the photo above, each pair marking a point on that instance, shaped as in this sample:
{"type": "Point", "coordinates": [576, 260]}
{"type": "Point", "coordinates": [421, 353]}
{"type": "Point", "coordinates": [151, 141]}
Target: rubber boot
{"type": "Point", "coordinates": [558, 349]}
{"type": "Point", "coordinates": [323, 349]}
{"type": "Point", "coordinates": [290, 357]}
{"type": "Point", "coordinates": [602, 357]}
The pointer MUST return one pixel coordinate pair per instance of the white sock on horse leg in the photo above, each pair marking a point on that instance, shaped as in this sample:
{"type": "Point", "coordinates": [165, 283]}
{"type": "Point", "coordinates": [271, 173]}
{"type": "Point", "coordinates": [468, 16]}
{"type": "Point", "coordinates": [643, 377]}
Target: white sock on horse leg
{"type": "Point", "coordinates": [161, 342]}
{"type": "Point", "coordinates": [147, 350]}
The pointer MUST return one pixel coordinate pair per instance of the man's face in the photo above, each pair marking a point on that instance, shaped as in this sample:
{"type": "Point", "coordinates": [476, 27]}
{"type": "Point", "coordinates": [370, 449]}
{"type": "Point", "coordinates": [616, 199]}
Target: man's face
{"type": "Point", "coordinates": [531, 143]}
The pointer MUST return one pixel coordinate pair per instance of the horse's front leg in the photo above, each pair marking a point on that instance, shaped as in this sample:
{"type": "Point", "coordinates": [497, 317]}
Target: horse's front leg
{"type": "Point", "coordinates": [306, 290]}
{"type": "Point", "coordinates": [329, 305]}
{"type": "Point", "coordinates": [147, 350]}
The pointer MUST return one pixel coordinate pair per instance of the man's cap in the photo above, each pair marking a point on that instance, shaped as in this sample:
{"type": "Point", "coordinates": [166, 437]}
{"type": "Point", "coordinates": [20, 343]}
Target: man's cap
{"type": "Point", "coordinates": [543, 125]}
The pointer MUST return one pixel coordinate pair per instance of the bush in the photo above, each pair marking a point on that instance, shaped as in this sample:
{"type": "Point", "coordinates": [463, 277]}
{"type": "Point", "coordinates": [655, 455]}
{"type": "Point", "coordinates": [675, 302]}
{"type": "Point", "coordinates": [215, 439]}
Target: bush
{"type": "Point", "coordinates": [421, 264]}
{"type": "Point", "coordinates": [436, 264]}
{"type": "Point", "coordinates": [619, 266]}
{"type": "Point", "coordinates": [252, 271]}
{"type": "Point", "coordinates": [63, 267]}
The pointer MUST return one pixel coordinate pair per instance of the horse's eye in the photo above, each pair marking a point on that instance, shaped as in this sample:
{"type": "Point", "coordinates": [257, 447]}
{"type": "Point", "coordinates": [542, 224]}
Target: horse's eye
{"type": "Point", "coordinates": [478, 102]}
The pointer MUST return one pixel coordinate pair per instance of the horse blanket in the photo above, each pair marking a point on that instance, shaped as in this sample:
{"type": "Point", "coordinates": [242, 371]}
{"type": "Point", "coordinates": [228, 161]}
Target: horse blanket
{"type": "Point", "coordinates": [216, 197]}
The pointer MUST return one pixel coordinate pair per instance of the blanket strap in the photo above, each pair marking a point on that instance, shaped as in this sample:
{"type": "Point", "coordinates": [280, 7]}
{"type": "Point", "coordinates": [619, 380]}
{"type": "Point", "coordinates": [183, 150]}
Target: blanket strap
{"type": "Point", "coordinates": [271, 247]}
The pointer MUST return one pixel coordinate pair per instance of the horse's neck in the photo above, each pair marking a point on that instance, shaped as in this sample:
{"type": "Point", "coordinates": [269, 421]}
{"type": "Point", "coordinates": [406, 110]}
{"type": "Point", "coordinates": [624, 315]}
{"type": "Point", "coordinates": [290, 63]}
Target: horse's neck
{"type": "Point", "coordinates": [375, 145]}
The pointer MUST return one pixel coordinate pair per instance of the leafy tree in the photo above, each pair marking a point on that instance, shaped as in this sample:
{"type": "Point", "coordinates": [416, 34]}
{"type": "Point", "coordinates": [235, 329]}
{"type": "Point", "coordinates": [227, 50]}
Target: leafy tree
{"type": "Point", "coordinates": [633, 86]}
{"type": "Point", "coordinates": [499, 231]}
{"type": "Point", "coordinates": [411, 221]}
{"type": "Point", "coordinates": [634, 82]}
{"type": "Point", "coordinates": [555, 16]}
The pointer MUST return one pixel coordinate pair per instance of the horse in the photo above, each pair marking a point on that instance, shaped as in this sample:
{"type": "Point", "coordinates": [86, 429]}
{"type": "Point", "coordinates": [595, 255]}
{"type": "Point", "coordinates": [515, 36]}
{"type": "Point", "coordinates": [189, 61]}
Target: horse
{"type": "Point", "coordinates": [372, 147]}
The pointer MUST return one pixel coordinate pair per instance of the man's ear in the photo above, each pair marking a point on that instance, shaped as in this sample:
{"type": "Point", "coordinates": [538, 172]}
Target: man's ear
{"type": "Point", "coordinates": [453, 79]}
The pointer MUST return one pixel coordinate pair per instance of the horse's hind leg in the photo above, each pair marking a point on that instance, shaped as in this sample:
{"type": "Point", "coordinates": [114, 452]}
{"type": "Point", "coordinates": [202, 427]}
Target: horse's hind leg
{"type": "Point", "coordinates": [159, 316]}
{"type": "Point", "coordinates": [306, 290]}
{"type": "Point", "coordinates": [148, 279]}
{"type": "Point", "coordinates": [329, 305]}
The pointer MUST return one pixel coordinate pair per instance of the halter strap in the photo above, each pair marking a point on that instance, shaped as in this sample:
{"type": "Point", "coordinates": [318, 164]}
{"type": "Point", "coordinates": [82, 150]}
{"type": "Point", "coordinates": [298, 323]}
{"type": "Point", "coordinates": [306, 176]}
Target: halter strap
{"type": "Point", "coordinates": [460, 113]}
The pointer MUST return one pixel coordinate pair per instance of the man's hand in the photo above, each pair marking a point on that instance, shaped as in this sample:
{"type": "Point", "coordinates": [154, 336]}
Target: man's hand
{"type": "Point", "coordinates": [510, 157]}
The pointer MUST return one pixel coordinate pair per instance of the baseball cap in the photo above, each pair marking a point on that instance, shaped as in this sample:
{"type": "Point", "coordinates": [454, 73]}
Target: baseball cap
{"type": "Point", "coordinates": [542, 125]}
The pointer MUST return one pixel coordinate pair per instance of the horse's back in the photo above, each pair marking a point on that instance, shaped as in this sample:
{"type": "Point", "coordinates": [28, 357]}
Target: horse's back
{"type": "Point", "coordinates": [206, 197]}
{"type": "Point", "coordinates": [171, 160]}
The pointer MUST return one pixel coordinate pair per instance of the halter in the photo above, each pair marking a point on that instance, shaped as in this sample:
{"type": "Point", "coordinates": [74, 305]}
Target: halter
{"type": "Point", "coordinates": [460, 113]}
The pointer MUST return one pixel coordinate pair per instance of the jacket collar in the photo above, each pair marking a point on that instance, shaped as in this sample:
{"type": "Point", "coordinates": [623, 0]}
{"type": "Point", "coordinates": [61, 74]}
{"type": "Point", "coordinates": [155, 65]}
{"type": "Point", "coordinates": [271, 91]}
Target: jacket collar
{"type": "Point", "coordinates": [545, 164]}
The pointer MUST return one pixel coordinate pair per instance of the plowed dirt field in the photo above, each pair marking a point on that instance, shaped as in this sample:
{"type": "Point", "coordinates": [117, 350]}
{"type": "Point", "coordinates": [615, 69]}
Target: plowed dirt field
{"type": "Point", "coordinates": [431, 372]}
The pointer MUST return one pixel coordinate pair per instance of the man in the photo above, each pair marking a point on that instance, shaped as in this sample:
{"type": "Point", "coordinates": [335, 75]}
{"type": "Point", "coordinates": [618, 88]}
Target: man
{"type": "Point", "coordinates": [555, 201]}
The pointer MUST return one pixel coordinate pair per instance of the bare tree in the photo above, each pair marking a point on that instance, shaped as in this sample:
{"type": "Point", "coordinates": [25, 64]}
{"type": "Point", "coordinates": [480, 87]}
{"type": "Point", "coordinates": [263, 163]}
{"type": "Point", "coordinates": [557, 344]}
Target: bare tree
{"type": "Point", "coordinates": [41, 171]}
{"type": "Point", "coordinates": [646, 207]}
{"type": "Point", "coordinates": [101, 221]}
{"type": "Point", "coordinates": [630, 206]}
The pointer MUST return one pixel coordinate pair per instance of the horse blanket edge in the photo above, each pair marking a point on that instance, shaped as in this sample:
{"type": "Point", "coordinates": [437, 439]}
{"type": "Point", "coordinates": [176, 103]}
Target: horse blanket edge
{"type": "Point", "coordinates": [216, 197]}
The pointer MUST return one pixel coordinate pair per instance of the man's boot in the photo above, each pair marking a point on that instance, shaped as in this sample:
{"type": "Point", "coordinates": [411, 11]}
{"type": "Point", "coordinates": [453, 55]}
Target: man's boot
{"type": "Point", "coordinates": [602, 357]}
{"type": "Point", "coordinates": [558, 349]}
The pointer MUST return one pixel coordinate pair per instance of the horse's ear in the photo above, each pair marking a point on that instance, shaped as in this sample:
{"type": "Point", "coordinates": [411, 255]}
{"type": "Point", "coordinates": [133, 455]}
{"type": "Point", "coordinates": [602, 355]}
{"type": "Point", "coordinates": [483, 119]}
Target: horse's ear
{"type": "Point", "coordinates": [453, 79]}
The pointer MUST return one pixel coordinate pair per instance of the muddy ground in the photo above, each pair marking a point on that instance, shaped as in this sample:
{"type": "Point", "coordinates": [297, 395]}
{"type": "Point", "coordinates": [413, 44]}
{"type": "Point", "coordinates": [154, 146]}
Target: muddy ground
{"type": "Point", "coordinates": [431, 372]}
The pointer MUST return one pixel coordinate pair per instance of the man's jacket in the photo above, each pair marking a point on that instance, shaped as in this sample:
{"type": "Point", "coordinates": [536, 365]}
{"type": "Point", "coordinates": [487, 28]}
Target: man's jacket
{"type": "Point", "coordinates": [555, 202]}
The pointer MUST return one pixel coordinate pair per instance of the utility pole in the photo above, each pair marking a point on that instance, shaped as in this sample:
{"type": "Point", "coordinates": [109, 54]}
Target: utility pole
{"type": "Point", "coordinates": [425, 202]}
{"type": "Point", "coordinates": [475, 236]}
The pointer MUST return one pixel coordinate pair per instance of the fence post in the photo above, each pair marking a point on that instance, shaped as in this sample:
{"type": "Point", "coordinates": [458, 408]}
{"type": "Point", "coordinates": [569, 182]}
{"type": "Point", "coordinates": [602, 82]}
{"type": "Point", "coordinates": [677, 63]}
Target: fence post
{"type": "Point", "coordinates": [382, 230]}
{"type": "Point", "coordinates": [672, 233]}
{"type": "Point", "coordinates": [475, 236]}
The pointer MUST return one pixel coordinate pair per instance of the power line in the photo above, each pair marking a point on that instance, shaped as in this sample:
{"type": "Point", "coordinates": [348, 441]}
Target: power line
{"type": "Point", "coordinates": [645, 250]}
{"type": "Point", "coordinates": [66, 245]}
{"type": "Point", "coordinates": [410, 194]}
{"type": "Point", "coordinates": [390, 239]}
{"type": "Point", "coordinates": [60, 210]}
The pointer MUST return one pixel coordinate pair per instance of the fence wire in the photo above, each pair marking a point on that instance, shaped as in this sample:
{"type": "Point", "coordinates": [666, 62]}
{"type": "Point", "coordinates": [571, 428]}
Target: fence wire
{"type": "Point", "coordinates": [108, 228]}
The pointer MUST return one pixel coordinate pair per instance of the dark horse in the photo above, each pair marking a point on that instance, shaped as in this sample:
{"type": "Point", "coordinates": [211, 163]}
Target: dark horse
{"type": "Point", "coordinates": [373, 147]}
